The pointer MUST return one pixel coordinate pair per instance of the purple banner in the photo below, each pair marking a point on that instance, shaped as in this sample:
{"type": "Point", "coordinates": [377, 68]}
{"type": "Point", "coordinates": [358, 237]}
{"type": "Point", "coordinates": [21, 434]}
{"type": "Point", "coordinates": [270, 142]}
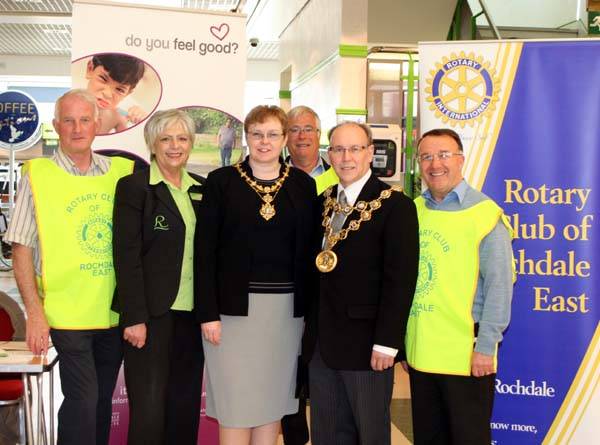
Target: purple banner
{"type": "Point", "coordinates": [208, 432]}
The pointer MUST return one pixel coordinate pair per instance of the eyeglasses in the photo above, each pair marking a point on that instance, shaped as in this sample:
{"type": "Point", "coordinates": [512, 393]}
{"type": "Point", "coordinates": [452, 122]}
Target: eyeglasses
{"type": "Point", "coordinates": [306, 130]}
{"type": "Point", "coordinates": [271, 136]}
{"type": "Point", "coordinates": [442, 156]}
{"type": "Point", "coordinates": [353, 150]}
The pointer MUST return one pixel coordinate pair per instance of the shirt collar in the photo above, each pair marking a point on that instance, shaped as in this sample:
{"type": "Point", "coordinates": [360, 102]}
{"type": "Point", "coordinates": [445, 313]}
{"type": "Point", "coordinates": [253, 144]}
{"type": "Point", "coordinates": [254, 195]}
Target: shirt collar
{"type": "Point", "coordinates": [456, 194]}
{"type": "Point", "coordinates": [67, 163]}
{"type": "Point", "coordinates": [319, 168]}
{"type": "Point", "coordinates": [353, 190]}
{"type": "Point", "coordinates": [157, 177]}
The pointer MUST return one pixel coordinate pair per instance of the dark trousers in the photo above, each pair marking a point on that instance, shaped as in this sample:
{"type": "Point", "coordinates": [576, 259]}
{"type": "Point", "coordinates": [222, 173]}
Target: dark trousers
{"type": "Point", "coordinates": [164, 381]}
{"type": "Point", "coordinates": [349, 407]}
{"type": "Point", "coordinates": [89, 362]}
{"type": "Point", "coordinates": [294, 427]}
{"type": "Point", "coordinates": [450, 409]}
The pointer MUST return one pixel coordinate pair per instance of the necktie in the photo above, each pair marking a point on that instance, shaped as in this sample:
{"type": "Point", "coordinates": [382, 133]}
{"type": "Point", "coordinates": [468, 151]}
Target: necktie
{"type": "Point", "coordinates": [339, 217]}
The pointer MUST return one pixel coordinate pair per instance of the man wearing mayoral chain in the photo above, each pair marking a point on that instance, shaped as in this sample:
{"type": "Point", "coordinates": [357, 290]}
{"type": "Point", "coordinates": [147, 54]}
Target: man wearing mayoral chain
{"type": "Point", "coordinates": [368, 271]}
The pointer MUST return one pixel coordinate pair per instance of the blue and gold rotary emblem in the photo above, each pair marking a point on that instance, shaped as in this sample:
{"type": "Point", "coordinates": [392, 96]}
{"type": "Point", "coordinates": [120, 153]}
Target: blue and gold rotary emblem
{"type": "Point", "coordinates": [95, 236]}
{"type": "Point", "coordinates": [462, 89]}
{"type": "Point", "coordinates": [427, 275]}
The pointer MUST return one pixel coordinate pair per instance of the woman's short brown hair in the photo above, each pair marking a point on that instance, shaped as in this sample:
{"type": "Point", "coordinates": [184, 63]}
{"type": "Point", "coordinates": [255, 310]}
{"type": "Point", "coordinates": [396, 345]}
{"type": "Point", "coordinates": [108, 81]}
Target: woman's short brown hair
{"type": "Point", "coordinates": [261, 113]}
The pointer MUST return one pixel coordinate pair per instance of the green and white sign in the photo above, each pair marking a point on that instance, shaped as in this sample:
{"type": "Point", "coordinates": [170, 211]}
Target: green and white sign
{"type": "Point", "coordinates": [593, 22]}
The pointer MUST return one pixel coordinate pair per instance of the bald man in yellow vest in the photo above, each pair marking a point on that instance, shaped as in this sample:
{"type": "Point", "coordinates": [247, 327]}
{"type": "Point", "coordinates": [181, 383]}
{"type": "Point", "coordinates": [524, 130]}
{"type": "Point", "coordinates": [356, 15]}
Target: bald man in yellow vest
{"type": "Point", "coordinates": [61, 233]}
{"type": "Point", "coordinates": [462, 301]}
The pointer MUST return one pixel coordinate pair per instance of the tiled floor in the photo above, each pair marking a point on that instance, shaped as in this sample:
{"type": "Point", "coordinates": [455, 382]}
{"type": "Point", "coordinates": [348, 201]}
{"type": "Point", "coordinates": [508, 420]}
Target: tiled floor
{"type": "Point", "coordinates": [400, 409]}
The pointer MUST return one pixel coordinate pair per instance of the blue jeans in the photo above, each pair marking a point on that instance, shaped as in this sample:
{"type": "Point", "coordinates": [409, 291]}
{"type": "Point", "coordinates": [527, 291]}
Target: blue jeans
{"type": "Point", "coordinates": [226, 156]}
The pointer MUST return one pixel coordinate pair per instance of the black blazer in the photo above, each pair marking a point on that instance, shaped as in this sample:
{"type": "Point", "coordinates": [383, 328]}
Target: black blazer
{"type": "Point", "coordinates": [366, 299]}
{"type": "Point", "coordinates": [148, 242]}
{"type": "Point", "coordinates": [223, 249]}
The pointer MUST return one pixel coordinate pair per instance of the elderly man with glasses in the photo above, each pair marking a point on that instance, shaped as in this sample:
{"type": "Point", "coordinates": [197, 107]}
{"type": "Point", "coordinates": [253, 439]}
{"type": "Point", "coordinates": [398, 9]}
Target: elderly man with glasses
{"type": "Point", "coordinates": [65, 205]}
{"type": "Point", "coordinates": [462, 301]}
{"type": "Point", "coordinates": [367, 275]}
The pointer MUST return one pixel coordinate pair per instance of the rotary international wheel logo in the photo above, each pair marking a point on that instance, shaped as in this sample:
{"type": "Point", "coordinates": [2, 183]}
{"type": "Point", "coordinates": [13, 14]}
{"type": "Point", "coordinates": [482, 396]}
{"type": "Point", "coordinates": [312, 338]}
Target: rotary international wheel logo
{"type": "Point", "coordinates": [462, 89]}
{"type": "Point", "coordinates": [427, 275]}
{"type": "Point", "coordinates": [95, 236]}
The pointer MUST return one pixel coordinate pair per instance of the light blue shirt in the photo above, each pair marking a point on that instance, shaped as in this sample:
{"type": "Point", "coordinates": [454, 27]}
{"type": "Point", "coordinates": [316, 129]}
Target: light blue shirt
{"type": "Point", "coordinates": [318, 170]}
{"type": "Point", "coordinates": [491, 308]}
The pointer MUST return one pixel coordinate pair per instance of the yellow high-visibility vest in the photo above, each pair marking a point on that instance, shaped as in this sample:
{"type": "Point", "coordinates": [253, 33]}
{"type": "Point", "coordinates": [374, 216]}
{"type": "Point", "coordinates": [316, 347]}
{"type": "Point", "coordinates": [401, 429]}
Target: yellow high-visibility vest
{"type": "Point", "coordinates": [325, 180]}
{"type": "Point", "coordinates": [440, 333]}
{"type": "Point", "coordinates": [74, 221]}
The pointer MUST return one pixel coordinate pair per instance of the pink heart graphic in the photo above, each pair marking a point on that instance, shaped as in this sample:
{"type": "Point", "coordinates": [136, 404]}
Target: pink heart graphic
{"type": "Point", "coordinates": [221, 31]}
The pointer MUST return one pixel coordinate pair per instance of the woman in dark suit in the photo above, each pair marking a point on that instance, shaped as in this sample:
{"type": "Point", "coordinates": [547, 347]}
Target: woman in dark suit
{"type": "Point", "coordinates": [154, 225]}
{"type": "Point", "coordinates": [255, 233]}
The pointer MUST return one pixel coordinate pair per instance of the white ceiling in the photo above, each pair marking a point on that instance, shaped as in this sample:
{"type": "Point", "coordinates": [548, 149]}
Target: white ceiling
{"type": "Point", "coordinates": [43, 27]}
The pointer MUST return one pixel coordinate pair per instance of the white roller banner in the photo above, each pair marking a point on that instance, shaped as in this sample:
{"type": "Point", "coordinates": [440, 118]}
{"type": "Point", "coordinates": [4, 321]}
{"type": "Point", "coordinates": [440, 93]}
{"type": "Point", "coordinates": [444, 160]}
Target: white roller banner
{"type": "Point", "coordinates": [139, 59]}
{"type": "Point", "coordinates": [190, 58]}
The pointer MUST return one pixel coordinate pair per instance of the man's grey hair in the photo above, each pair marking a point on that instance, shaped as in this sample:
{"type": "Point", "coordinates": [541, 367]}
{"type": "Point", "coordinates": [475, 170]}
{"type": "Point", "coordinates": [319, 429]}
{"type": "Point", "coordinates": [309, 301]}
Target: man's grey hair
{"type": "Point", "coordinates": [363, 127]}
{"type": "Point", "coordinates": [298, 111]}
{"type": "Point", "coordinates": [163, 119]}
{"type": "Point", "coordinates": [80, 93]}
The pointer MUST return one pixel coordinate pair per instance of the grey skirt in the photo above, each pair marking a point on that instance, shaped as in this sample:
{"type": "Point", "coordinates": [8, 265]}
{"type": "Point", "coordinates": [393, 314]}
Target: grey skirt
{"type": "Point", "coordinates": [251, 375]}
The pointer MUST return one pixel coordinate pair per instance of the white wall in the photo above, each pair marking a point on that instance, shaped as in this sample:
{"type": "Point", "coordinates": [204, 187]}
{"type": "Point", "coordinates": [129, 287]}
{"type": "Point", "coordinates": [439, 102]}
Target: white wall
{"type": "Point", "coordinates": [406, 22]}
{"type": "Point", "coordinates": [271, 17]}
{"type": "Point", "coordinates": [35, 66]}
{"type": "Point", "coordinates": [311, 37]}
{"type": "Point", "coordinates": [262, 70]}
{"type": "Point", "coordinates": [260, 93]}
{"type": "Point", "coordinates": [322, 94]}
{"type": "Point", "coordinates": [262, 84]}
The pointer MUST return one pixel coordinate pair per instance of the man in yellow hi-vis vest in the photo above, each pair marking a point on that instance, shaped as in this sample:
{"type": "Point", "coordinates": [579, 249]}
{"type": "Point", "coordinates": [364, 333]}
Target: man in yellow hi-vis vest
{"type": "Point", "coordinates": [304, 133]}
{"type": "Point", "coordinates": [61, 232]}
{"type": "Point", "coordinates": [462, 301]}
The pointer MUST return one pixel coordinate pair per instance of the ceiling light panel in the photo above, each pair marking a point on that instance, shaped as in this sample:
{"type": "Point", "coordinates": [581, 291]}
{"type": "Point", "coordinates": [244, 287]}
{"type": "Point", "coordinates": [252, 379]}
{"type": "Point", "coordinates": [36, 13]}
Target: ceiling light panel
{"type": "Point", "coordinates": [46, 6]}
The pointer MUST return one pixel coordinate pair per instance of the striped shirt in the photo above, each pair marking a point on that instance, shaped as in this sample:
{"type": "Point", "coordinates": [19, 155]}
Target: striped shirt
{"type": "Point", "coordinates": [22, 228]}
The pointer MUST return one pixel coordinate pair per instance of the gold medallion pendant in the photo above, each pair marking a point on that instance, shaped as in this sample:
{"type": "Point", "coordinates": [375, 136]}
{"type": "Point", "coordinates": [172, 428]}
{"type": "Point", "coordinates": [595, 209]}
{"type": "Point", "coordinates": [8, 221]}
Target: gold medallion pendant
{"type": "Point", "coordinates": [267, 211]}
{"type": "Point", "coordinates": [326, 261]}
{"type": "Point", "coordinates": [266, 193]}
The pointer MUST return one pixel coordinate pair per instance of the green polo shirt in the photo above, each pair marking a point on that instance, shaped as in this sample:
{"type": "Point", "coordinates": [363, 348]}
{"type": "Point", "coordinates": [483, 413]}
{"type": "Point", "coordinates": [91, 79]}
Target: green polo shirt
{"type": "Point", "coordinates": [185, 294]}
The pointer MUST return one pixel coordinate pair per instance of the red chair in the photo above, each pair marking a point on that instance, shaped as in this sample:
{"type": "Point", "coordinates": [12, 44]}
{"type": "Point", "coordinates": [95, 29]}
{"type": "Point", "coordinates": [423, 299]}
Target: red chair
{"type": "Point", "coordinates": [11, 385]}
